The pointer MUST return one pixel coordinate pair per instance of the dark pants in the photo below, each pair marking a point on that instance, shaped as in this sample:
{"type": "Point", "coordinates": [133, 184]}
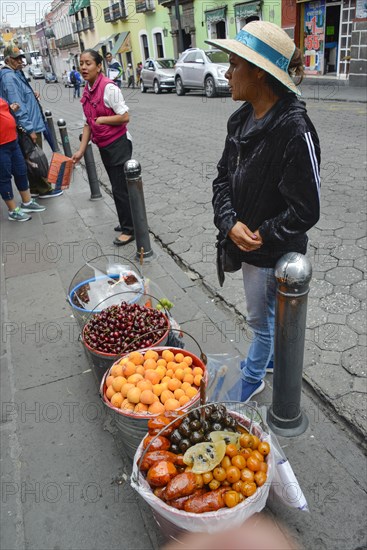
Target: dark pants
{"type": "Point", "coordinates": [119, 152]}
{"type": "Point", "coordinates": [12, 163]}
{"type": "Point", "coordinates": [39, 185]}
{"type": "Point", "coordinates": [77, 89]}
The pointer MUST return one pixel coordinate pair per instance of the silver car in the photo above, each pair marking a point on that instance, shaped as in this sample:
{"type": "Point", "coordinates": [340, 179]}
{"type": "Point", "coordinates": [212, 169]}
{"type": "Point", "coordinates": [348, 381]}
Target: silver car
{"type": "Point", "coordinates": [158, 74]}
{"type": "Point", "coordinates": [202, 70]}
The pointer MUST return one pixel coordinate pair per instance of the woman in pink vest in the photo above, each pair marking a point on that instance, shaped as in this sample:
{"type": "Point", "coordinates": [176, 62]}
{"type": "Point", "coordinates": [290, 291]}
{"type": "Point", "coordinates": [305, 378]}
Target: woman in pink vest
{"type": "Point", "coordinates": [106, 116]}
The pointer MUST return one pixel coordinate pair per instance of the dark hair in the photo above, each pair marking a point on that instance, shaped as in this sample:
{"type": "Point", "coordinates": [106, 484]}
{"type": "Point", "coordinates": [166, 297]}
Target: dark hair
{"type": "Point", "coordinates": [106, 54]}
{"type": "Point", "coordinates": [96, 56]}
{"type": "Point", "coordinates": [73, 67]}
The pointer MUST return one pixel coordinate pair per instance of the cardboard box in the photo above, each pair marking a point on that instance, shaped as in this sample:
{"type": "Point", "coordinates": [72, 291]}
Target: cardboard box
{"type": "Point", "coordinates": [60, 171]}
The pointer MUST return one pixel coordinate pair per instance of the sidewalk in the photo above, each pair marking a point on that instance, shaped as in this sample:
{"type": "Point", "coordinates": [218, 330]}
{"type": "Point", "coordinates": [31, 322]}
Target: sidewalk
{"type": "Point", "coordinates": [328, 88]}
{"type": "Point", "coordinates": [65, 476]}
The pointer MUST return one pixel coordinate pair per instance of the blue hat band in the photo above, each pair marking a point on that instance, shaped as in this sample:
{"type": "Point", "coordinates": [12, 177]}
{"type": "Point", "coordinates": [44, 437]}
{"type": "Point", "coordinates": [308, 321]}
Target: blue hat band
{"type": "Point", "coordinates": [263, 49]}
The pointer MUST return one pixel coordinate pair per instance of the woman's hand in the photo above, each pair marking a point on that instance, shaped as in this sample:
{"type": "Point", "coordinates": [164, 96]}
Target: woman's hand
{"type": "Point", "coordinates": [77, 156]}
{"type": "Point", "coordinates": [14, 107]}
{"type": "Point", "coordinates": [100, 120]}
{"type": "Point", "coordinates": [244, 238]}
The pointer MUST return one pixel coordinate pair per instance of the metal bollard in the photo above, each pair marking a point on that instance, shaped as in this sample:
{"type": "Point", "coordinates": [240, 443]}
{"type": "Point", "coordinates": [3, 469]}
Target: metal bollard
{"type": "Point", "coordinates": [95, 192]}
{"type": "Point", "coordinates": [64, 137]}
{"type": "Point", "coordinates": [137, 203]}
{"type": "Point", "coordinates": [293, 274]}
{"type": "Point", "coordinates": [51, 127]}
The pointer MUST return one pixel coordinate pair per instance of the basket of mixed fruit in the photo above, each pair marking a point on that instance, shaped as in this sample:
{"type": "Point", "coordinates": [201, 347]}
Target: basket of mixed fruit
{"type": "Point", "coordinates": [206, 470]}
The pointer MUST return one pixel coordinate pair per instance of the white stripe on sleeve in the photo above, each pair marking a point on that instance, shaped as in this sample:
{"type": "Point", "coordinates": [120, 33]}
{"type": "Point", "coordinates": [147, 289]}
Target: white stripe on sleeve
{"type": "Point", "coordinates": [313, 158]}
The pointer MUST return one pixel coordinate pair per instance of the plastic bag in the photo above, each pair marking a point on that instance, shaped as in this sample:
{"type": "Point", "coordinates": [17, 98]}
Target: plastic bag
{"type": "Point", "coordinates": [285, 485]}
{"type": "Point", "coordinates": [208, 522]}
{"type": "Point", "coordinates": [37, 163]}
{"type": "Point", "coordinates": [224, 378]}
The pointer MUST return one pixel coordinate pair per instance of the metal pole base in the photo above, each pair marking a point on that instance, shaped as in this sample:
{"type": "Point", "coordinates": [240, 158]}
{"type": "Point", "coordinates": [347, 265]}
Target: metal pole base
{"type": "Point", "coordinates": [148, 256]}
{"type": "Point", "coordinates": [95, 197]}
{"type": "Point", "coordinates": [287, 427]}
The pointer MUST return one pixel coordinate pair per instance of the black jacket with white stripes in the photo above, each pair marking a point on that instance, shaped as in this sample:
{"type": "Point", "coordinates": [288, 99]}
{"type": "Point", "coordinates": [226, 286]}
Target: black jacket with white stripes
{"type": "Point", "coordinates": [269, 179]}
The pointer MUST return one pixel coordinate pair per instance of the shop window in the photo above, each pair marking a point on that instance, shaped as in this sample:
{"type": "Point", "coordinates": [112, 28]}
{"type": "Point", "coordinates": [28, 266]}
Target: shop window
{"type": "Point", "coordinates": [159, 44]}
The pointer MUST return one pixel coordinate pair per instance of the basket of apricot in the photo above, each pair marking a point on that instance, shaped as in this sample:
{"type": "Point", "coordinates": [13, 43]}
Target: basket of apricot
{"type": "Point", "coordinates": [150, 382]}
{"type": "Point", "coordinates": [207, 470]}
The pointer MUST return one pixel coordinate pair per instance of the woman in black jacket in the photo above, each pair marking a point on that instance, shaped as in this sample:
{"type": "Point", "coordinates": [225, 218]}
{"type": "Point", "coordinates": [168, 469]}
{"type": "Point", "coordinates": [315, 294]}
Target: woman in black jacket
{"type": "Point", "coordinates": [266, 194]}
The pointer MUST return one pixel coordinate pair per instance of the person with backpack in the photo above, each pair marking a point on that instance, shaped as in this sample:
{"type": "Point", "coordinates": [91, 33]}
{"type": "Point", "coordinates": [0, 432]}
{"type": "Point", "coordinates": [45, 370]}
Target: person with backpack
{"type": "Point", "coordinates": [76, 81]}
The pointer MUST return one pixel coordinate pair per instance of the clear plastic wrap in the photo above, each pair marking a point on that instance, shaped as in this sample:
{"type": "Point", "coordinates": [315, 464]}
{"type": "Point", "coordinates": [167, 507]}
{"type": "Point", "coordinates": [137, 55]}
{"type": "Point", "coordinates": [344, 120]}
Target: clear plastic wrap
{"type": "Point", "coordinates": [225, 518]}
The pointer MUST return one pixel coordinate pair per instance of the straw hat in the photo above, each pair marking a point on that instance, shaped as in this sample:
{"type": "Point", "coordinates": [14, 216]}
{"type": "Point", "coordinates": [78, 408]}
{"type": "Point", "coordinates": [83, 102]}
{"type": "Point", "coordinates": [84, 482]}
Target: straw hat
{"type": "Point", "coordinates": [265, 45]}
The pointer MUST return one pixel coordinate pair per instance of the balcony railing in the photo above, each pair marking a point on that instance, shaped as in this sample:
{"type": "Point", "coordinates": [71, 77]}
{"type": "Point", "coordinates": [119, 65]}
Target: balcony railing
{"type": "Point", "coordinates": [144, 5]}
{"type": "Point", "coordinates": [65, 41]}
{"type": "Point", "coordinates": [114, 12]}
{"type": "Point", "coordinates": [87, 23]}
{"type": "Point", "coordinates": [107, 15]}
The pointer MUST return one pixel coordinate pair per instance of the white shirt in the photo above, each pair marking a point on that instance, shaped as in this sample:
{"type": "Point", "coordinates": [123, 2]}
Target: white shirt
{"type": "Point", "coordinates": [113, 99]}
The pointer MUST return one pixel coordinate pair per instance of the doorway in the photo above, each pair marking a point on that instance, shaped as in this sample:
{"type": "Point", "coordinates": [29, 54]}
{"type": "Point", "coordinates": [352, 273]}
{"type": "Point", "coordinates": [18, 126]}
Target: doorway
{"type": "Point", "coordinates": [332, 35]}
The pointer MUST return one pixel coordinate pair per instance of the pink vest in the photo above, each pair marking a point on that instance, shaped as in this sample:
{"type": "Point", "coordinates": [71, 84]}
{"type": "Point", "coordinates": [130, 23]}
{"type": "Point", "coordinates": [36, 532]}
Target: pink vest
{"type": "Point", "coordinates": [94, 107]}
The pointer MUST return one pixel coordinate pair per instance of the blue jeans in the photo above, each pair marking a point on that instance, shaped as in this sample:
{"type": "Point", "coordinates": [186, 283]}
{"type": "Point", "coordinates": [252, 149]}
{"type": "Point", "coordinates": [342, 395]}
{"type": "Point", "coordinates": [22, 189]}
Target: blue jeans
{"type": "Point", "coordinates": [77, 89]}
{"type": "Point", "coordinates": [260, 290]}
{"type": "Point", "coordinates": [12, 163]}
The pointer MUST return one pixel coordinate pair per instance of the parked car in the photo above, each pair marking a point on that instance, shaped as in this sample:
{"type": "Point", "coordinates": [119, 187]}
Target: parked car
{"type": "Point", "coordinates": [37, 73]}
{"type": "Point", "coordinates": [158, 74]}
{"type": "Point", "coordinates": [67, 82]}
{"type": "Point", "coordinates": [50, 78]}
{"type": "Point", "coordinates": [202, 70]}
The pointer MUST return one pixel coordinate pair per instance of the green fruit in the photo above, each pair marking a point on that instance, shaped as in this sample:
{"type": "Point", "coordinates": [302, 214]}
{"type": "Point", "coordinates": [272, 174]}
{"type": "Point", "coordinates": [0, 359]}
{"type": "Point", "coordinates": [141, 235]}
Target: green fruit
{"type": "Point", "coordinates": [227, 437]}
{"type": "Point", "coordinates": [204, 457]}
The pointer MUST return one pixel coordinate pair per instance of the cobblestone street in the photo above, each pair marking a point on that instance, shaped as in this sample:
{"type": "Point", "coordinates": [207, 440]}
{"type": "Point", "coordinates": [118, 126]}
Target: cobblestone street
{"type": "Point", "coordinates": [179, 140]}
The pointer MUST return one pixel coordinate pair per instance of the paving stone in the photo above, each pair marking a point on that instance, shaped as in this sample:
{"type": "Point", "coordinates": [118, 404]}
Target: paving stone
{"type": "Point", "coordinates": [325, 223]}
{"type": "Point", "coordinates": [359, 290]}
{"type": "Point", "coordinates": [330, 357]}
{"type": "Point", "coordinates": [339, 303]}
{"type": "Point", "coordinates": [362, 243]}
{"type": "Point", "coordinates": [358, 322]}
{"type": "Point", "coordinates": [316, 316]}
{"type": "Point", "coordinates": [335, 337]}
{"type": "Point", "coordinates": [355, 360]}
{"type": "Point", "coordinates": [345, 263]}
{"type": "Point", "coordinates": [343, 276]}
{"type": "Point", "coordinates": [332, 380]}
{"type": "Point", "coordinates": [351, 231]}
{"type": "Point", "coordinates": [362, 340]}
{"type": "Point", "coordinates": [338, 319]}
{"type": "Point", "coordinates": [350, 252]}
{"type": "Point", "coordinates": [320, 288]}
{"type": "Point", "coordinates": [360, 385]}
{"type": "Point", "coordinates": [361, 263]}
{"type": "Point", "coordinates": [353, 407]}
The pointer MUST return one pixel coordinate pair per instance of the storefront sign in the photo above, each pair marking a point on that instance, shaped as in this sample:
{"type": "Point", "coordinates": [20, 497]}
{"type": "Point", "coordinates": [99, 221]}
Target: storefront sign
{"type": "Point", "coordinates": [314, 37]}
{"type": "Point", "coordinates": [361, 9]}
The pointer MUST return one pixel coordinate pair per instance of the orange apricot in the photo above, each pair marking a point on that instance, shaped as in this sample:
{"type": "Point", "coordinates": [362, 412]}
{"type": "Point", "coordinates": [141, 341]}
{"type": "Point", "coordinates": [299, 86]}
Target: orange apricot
{"type": "Point", "coordinates": [116, 400]}
{"type": "Point", "coordinates": [129, 368]}
{"type": "Point", "coordinates": [133, 395]}
{"type": "Point", "coordinates": [150, 364]}
{"type": "Point", "coordinates": [179, 357]}
{"type": "Point", "coordinates": [179, 374]}
{"type": "Point", "coordinates": [178, 393]}
{"type": "Point", "coordinates": [116, 370]}
{"type": "Point", "coordinates": [141, 407]}
{"type": "Point", "coordinates": [161, 363]}
{"type": "Point", "coordinates": [170, 373]}
{"type": "Point", "coordinates": [188, 360]}
{"type": "Point", "coordinates": [136, 357]}
{"type": "Point", "coordinates": [151, 354]}
{"type": "Point", "coordinates": [188, 378]}
{"type": "Point", "coordinates": [171, 404]}
{"type": "Point", "coordinates": [157, 389]}
{"type": "Point", "coordinates": [191, 392]}
{"type": "Point", "coordinates": [174, 384]}
{"type": "Point", "coordinates": [161, 371]}
{"type": "Point", "coordinates": [185, 385]}
{"type": "Point", "coordinates": [197, 379]}
{"type": "Point", "coordinates": [197, 370]}
{"type": "Point", "coordinates": [118, 382]}
{"type": "Point", "coordinates": [140, 370]}
{"type": "Point", "coordinates": [156, 408]}
{"type": "Point", "coordinates": [135, 378]}
{"type": "Point", "coordinates": [125, 388]}
{"type": "Point", "coordinates": [110, 392]}
{"type": "Point", "coordinates": [147, 397]}
{"type": "Point", "coordinates": [144, 385]}
{"type": "Point", "coordinates": [166, 394]}
{"type": "Point", "coordinates": [109, 380]}
{"type": "Point", "coordinates": [167, 355]}
{"type": "Point", "coordinates": [153, 376]}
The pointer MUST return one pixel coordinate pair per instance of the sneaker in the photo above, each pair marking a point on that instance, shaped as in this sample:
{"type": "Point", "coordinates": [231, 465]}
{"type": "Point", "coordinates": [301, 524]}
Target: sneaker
{"type": "Point", "coordinates": [35, 195]}
{"type": "Point", "coordinates": [33, 206]}
{"type": "Point", "coordinates": [270, 367]}
{"type": "Point", "coordinates": [249, 390]}
{"type": "Point", "coordinates": [52, 194]}
{"type": "Point", "coordinates": [18, 216]}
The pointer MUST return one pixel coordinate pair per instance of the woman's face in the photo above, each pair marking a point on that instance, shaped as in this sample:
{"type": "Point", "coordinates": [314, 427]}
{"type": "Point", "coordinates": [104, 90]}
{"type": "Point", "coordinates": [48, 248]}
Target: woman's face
{"type": "Point", "coordinates": [243, 79]}
{"type": "Point", "coordinates": [89, 68]}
